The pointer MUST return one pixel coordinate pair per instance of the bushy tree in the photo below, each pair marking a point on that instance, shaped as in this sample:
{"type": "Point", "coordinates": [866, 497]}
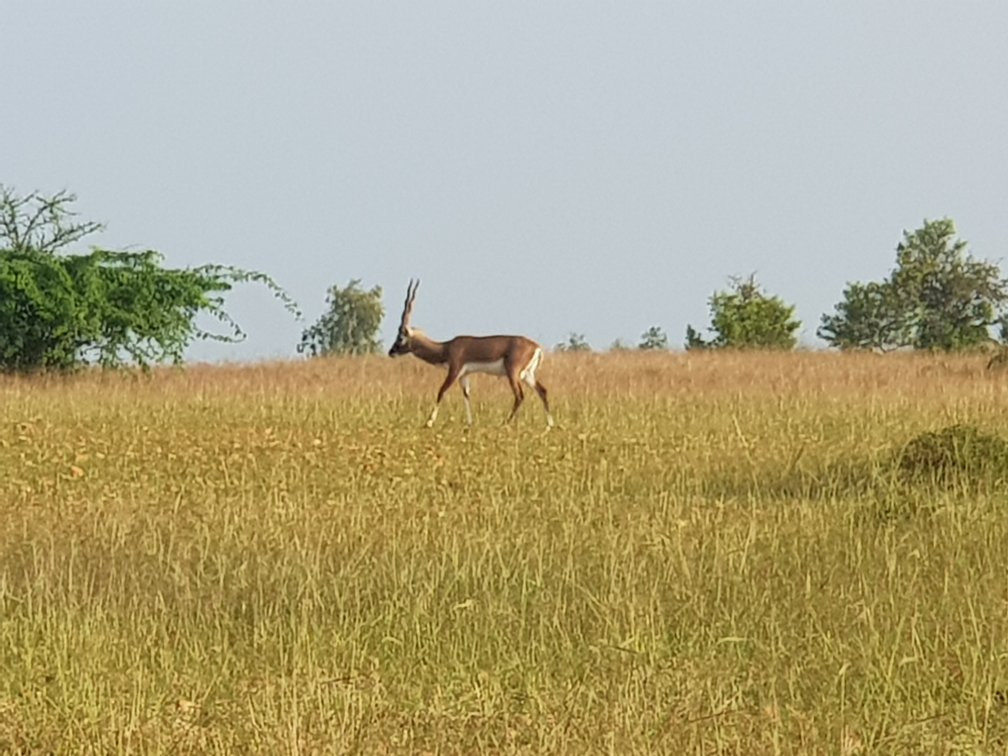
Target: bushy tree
{"type": "Point", "coordinates": [867, 317]}
{"type": "Point", "coordinates": [694, 340]}
{"type": "Point", "coordinates": [619, 345]}
{"type": "Point", "coordinates": [63, 311]}
{"type": "Point", "coordinates": [937, 297]}
{"type": "Point", "coordinates": [653, 338]}
{"type": "Point", "coordinates": [745, 317]}
{"type": "Point", "coordinates": [575, 343]}
{"type": "Point", "coordinates": [349, 325]}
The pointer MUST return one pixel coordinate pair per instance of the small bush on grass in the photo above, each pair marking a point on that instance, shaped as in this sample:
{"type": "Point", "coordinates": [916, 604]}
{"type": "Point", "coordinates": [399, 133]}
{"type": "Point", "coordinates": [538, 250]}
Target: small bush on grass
{"type": "Point", "coordinates": [956, 455]}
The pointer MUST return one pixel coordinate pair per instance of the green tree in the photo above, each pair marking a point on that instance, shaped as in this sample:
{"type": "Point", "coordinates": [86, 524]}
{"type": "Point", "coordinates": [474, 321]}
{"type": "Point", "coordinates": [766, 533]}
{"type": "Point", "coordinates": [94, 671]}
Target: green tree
{"type": "Point", "coordinates": [575, 343]}
{"type": "Point", "coordinates": [64, 311]}
{"type": "Point", "coordinates": [694, 340]}
{"type": "Point", "coordinates": [619, 345]}
{"type": "Point", "coordinates": [745, 317]}
{"type": "Point", "coordinates": [349, 325]}
{"type": "Point", "coordinates": [869, 316]}
{"type": "Point", "coordinates": [653, 338]}
{"type": "Point", "coordinates": [937, 297]}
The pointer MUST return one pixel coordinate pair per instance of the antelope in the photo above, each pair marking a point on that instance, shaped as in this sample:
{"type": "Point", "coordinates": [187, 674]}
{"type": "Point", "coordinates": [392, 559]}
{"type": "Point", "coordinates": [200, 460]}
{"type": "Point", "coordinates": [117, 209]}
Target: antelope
{"type": "Point", "coordinates": [515, 357]}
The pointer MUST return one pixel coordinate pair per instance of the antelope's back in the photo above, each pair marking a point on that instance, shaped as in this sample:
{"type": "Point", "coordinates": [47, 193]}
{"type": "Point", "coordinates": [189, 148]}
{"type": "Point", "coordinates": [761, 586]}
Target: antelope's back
{"type": "Point", "coordinates": [491, 348]}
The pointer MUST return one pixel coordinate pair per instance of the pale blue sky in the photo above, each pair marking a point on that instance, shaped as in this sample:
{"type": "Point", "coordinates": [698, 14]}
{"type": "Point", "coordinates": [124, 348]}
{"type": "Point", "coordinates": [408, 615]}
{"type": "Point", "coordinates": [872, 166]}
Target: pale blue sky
{"type": "Point", "coordinates": [544, 167]}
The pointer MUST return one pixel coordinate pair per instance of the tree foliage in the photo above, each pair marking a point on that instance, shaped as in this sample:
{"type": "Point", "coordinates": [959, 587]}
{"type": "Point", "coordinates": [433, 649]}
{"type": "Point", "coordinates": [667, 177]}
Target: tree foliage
{"type": "Point", "coordinates": [575, 342]}
{"type": "Point", "coordinates": [349, 325]}
{"type": "Point", "coordinates": [745, 317]}
{"type": "Point", "coordinates": [937, 297]}
{"type": "Point", "coordinates": [694, 339]}
{"type": "Point", "coordinates": [64, 311]}
{"type": "Point", "coordinates": [653, 338]}
{"type": "Point", "coordinates": [619, 345]}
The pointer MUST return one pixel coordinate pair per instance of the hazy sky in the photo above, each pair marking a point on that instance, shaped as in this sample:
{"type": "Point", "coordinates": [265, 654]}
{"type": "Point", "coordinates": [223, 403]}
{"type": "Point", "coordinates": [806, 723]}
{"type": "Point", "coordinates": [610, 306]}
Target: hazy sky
{"type": "Point", "coordinates": [543, 166]}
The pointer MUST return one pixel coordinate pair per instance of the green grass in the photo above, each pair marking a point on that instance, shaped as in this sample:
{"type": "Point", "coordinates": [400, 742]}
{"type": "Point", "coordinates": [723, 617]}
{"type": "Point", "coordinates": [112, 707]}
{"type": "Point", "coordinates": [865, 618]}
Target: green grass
{"type": "Point", "coordinates": [711, 553]}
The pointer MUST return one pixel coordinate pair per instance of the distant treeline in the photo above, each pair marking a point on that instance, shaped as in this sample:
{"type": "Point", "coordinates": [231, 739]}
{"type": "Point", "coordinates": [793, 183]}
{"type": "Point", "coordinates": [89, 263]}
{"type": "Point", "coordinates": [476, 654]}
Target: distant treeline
{"type": "Point", "coordinates": [61, 311]}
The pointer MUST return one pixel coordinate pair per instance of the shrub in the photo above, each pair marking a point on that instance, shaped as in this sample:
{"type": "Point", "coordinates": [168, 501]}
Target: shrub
{"type": "Point", "coordinates": [958, 453]}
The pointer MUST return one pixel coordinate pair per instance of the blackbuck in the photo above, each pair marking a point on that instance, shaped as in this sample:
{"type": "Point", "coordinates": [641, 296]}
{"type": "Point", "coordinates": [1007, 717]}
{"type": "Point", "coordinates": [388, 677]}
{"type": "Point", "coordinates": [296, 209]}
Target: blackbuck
{"type": "Point", "coordinates": [515, 357]}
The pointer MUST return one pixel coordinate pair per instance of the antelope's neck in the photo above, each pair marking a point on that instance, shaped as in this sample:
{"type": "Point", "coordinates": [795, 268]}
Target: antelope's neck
{"type": "Point", "coordinates": [428, 350]}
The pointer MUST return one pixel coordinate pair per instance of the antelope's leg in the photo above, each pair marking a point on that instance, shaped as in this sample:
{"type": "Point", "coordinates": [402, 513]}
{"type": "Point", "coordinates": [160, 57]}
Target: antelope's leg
{"type": "Point", "coordinates": [519, 395]}
{"type": "Point", "coordinates": [532, 382]}
{"type": "Point", "coordinates": [448, 381]}
{"type": "Point", "coordinates": [541, 390]}
{"type": "Point", "coordinates": [464, 383]}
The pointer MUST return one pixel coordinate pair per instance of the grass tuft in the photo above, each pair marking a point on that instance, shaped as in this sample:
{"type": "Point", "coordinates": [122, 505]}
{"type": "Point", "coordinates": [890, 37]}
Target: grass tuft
{"type": "Point", "coordinates": [960, 454]}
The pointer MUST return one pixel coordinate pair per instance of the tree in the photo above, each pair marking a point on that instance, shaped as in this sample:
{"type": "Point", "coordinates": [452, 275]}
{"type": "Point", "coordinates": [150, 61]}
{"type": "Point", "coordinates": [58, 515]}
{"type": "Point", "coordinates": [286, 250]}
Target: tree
{"type": "Point", "coordinates": [867, 317]}
{"type": "Point", "coordinates": [745, 317]}
{"type": "Point", "coordinates": [653, 338]}
{"type": "Point", "coordinates": [64, 311]}
{"type": "Point", "coordinates": [694, 340]}
{"type": "Point", "coordinates": [937, 297]}
{"type": "Point", "coordinates": [619, 345]}
{"type": "Point", "coordinates": [575, 343]}
{"type": "Point", "coordinates": [35, 223]}
{"type": "Point", "coordinates": [349, 325]}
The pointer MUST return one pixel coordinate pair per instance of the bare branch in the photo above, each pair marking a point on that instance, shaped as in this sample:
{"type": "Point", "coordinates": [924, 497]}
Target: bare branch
{"type": "Point", "coordinates": [39, 223]}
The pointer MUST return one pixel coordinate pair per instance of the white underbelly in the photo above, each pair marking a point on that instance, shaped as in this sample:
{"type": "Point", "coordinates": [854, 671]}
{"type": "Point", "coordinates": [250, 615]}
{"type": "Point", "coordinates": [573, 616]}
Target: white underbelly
{"type": "Point", "coordinates": [491, 368]}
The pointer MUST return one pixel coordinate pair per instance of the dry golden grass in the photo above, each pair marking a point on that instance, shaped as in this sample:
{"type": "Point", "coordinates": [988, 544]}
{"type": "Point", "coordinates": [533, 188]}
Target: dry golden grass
{"type": "Point", "coordinates": [710, 553]}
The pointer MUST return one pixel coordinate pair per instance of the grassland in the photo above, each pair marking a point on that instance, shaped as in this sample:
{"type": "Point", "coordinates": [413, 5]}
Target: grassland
{"type": "Point", "coordinates": [710, 553]}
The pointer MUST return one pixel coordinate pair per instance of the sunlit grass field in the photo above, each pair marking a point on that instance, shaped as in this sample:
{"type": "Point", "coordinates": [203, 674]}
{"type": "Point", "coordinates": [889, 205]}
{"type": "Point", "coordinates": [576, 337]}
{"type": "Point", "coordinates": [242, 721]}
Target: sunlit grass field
{"type": "Point", "coordinates": [710, 553]}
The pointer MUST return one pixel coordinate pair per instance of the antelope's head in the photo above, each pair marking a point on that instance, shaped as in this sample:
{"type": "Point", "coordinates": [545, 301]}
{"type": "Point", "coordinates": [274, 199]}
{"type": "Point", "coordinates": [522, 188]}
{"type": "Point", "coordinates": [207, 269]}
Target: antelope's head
{"type": "Point", "coordinates": [404, 339]}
